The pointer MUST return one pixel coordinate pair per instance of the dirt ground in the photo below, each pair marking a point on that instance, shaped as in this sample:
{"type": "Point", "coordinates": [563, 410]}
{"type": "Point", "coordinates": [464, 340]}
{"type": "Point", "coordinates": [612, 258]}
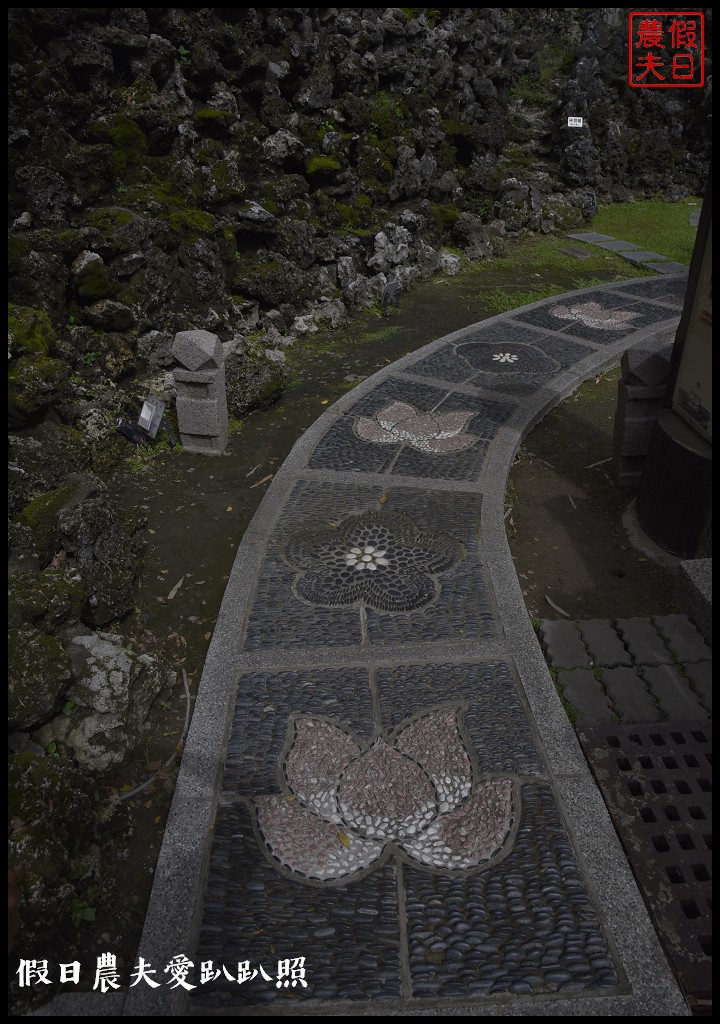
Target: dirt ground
{"type": "Point", "coordinates": [565, 525]}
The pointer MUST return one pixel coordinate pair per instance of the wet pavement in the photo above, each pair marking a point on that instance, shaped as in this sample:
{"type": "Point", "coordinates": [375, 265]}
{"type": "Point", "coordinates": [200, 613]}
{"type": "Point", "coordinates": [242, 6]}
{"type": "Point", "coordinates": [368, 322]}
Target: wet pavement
{"type": "Point", "coordinates": [383, 807]}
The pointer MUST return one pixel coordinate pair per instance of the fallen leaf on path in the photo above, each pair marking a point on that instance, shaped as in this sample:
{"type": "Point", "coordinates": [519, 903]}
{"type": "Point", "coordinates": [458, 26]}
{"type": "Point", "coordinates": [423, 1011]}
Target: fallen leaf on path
{"type": "Point", "coordinates": [556, 607]}
{"type": "Point", "coordinates": [175, 589]}
{"type": "Point", "coordinates": [572, 502]}
{"type": "Point", "coordinates": [255, 468]}
{"type": "Point", "coordinates": [263, 481]}
{"type": "Point", "coordinates": [601, 462]}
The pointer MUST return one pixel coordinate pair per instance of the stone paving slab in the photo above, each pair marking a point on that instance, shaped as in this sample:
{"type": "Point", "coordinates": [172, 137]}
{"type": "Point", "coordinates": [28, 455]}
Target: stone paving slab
{"type": "Point", "coordinates": [400, 807]}
{"type": "Point", "coordinates": [617, 245]}
{"type": "Point", "coordinates": [666, 267]}
{"type": "Point", "coordinates": [590, 236]}
{"type": "Point", "coordinates": [644, 256]}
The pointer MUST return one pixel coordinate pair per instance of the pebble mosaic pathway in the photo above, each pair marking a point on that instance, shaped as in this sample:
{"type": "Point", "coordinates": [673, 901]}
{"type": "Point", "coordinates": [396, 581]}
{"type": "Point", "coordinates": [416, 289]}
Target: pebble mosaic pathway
{"type": "Point", "coordinates": [388, 815]}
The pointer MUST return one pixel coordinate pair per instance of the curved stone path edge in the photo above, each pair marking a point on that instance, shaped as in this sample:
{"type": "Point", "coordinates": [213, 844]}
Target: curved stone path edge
{"type": "Point", "coordinates": [374, 600]}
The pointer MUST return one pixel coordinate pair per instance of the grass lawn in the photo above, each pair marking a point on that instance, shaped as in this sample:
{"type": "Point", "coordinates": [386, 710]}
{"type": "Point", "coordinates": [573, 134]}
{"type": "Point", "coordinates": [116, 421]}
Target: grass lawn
{"type": "Point", "coordinates": [656, 225]}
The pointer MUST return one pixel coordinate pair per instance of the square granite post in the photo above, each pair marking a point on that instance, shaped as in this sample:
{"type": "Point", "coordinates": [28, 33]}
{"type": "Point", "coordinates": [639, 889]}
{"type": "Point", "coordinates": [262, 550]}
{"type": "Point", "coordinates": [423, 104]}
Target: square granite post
{"type": "Point", "coordinates": [201, 402]}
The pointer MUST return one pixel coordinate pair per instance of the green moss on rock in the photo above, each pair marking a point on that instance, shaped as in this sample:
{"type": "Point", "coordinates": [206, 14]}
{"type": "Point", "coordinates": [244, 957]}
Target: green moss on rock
{"type": "Point", "coordinates": [129, 144]}
{"type": "Point", "coordinates": [214, 122]}
{"type": "Point", "coordinates": [34, 383]}
{"type": "Point", "coordinates": [45, 599]}
{"type": "Point", "coordinates": [191, 224]}
{"type": "Point", "coordinates": [40, 515]}
{"type": "Point", "coordinates": [38, 673]}
{"type": "Point", "coordinates": [32, 332]}
{"type": "Point", "coordinates": [95, 281]}
{"type": "Point", "coordinates": [322, 165]}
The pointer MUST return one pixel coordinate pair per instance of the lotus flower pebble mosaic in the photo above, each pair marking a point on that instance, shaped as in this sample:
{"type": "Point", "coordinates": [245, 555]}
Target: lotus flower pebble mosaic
{"type": "Point", "coordinates": [437, 433]}
{"type": "Point", "coordinates": [592, 314]}
{"type": "Point", "coordinates": [415, 792]}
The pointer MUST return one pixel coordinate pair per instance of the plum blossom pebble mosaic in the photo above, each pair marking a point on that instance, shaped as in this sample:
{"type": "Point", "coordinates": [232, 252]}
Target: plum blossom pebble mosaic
{"type": "Point", "coordinates": [380, 559]}
{"type": "Point", "coordinates": [514, 358]}
{"type": "Point", "coordinates": [415, 792]}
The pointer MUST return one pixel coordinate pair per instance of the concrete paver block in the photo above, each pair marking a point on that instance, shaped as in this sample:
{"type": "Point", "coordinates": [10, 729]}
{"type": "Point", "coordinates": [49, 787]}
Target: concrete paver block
{"type": "Point", "coordinates": [700, 676]}
{"type": "Point", "coordinates": [676, 698]}
{"type": "Point", "coordinates": [603, 643]}
{"type": "Point", "coordinates": [581, 689]}
{"type": "Point", "coordinates": [683, 638]}
{"type": "Point", "coordinates": [563, 644]}
{"type": "Point", "coordinates": [643, 641]}
{"type": "Point", "coordinates": [630, 698]}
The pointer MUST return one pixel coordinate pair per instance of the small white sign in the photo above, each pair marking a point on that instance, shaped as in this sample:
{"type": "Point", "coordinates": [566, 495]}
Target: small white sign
{"type": "Point", "coordinates": [575, 122]}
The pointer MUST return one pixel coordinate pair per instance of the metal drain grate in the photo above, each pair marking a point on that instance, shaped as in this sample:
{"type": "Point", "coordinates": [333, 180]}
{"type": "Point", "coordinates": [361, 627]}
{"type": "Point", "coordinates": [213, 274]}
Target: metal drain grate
{"type": "Point", "coordinates": [657, 783]}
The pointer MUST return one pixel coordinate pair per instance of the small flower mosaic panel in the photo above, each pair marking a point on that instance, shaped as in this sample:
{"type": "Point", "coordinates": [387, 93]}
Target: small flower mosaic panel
{"type": "Point", "coordinates": [525, 927]}
{"type": "Point", "coordinates": [316, 579]}
{"type": "Point", "coordinates": [265, 703]}
{"type": "Point", "coordinates": [443, 364]}
{"type": "Point", "coordinates": [349, 936]}
{"type": "Point", "coordinates": [601, 317]}
{"type": "Point", "coordinates": [506, 359]}
{"type": "Point", "coordinates": [495, 718]}
{"type": "Point", "coordinates": [670, 291]}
